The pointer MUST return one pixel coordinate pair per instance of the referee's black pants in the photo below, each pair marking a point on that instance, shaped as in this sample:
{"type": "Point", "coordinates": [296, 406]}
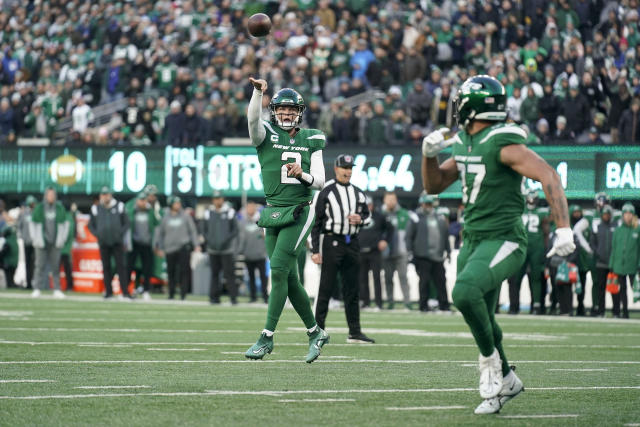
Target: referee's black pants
{"type": "Point", "coordinates": [338, 255]}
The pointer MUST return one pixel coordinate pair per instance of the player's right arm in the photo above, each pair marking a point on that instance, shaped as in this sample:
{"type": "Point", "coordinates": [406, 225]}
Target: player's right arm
{"type": "Point", "coordinates": [437, 177]}
{"type": "Point", "coordinates": [256, 129]}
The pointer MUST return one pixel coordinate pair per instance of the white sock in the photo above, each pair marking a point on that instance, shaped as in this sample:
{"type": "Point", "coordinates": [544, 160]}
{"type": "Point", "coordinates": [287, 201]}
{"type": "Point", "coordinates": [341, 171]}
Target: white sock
{"type": "Point", "coordinates": [267, 332]}
{"type": "Point", "coordinates": [312, 330]}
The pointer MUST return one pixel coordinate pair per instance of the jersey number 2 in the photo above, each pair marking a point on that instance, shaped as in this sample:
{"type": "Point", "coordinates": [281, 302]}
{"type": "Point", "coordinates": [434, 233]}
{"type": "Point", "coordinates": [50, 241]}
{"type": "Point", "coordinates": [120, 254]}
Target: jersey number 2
{"type": "Point", "coordinates": [479, 171]}
{"type": "Point", "coordinates": [288, 155]}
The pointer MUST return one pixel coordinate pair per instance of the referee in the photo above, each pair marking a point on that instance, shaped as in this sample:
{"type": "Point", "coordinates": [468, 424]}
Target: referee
{"type": "Point", "coordinates": [341, 210]}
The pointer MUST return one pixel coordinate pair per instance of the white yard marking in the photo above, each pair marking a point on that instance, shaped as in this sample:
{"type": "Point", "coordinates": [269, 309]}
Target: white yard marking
{"type": "Point", "coordinates": [91, 387]}
{"type": "Point", "coordinates": [315, 400]}
{"type": "Point", "coordinates": [102, 345]}
{"type": "Point", "coordinates": [632, 425]}
{"type": "Point", "coordinates": [11, 313]}
{"type": "Point", "coordinates": [277, 393]}
{"type": "Point", "coordinates": [26, 381]}
{"type": "Point", "coordinates": [518, 417]}
{"type": "Point", "coordinates": [301, 344]}
{"type": "Point", "coordinates": [233, 352]}
{"type": "Point", "coordinates": [578, 369]}
{"type": "Point", "coordinates": [133, 330]}
{"type": "Point", "coordinates": [402, 362]}
{"type": "Point", "coordinates": [177, 349]}
{"type": "Point", "coordinates": [423, 408]}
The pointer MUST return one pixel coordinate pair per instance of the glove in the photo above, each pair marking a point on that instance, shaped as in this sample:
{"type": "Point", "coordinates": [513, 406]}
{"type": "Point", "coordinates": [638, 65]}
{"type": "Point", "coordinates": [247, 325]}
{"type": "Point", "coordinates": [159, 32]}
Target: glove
{"type": "Point", "coordinates": [563, 245]}
{"type": "Point", "coordinates": [434, 143]}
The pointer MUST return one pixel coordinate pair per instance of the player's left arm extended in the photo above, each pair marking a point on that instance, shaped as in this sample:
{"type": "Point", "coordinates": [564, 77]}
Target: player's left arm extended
{"type": "Point", "coordinates": [527, 163]}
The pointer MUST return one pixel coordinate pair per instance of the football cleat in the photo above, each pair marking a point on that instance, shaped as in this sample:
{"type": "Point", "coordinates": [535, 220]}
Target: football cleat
{"type": "Point", "coordinates": [490, 375]}
{"type": "Point", "coordinates": [262, 347]}
{"type": "Point", "coordinates": [360, 339]}
{"type": "Point", "coordinates": [511, 387]}
{"type": "Point", "coordinates": [317, 340]}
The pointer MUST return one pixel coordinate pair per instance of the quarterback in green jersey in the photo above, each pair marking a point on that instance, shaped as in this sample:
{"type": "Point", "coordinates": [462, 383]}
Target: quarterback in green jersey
{"type": "Point", "coordinates": [490, 158]}
{"type": "Point", "coordinates": [292, 166]}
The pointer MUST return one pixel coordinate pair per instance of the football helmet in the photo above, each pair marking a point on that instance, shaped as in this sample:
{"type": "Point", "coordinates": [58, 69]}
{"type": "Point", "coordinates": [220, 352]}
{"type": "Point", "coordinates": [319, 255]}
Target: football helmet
{"type": "Point", "coordinates": [286, 97]}
{"type": "Point", "coordinates": [531, 198]}
{"type": "Point", "coordinates": [480, 98]}
{"type": "Point", "coordinates": [601, 200]}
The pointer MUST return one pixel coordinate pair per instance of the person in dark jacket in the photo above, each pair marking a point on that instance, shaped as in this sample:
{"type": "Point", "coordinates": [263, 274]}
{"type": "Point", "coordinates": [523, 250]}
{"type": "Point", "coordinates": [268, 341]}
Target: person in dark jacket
{"type": "Point", "coordinates": [629, 124]}
{"type": "Point", "coordinates": [427, 239]}
{"type": "Point", "coordinates": [625, 256]}
{"type": "Point", "coordinates": [175, 125]}
{"type": "Point", "coordinates": [549, 106]}
{"type": "Point", "coordinates": [254, 251]}
{"type": "Point", "coordinates": [109, 223]}
{"type": "Point", "coordinates": [600, 243]}
{"type": "Point", "coordinates": [374, 238]}
{"type": "Point", "coordinates": [345, 127]}
{"type": "Point", "coordinates": [220, 230]}
{"type": "Point", "coordinates": [176, 237]}
{"type": "Point", "coordinates": [193, 126]}
{"type": "Point", "coordinates": [575, 108]}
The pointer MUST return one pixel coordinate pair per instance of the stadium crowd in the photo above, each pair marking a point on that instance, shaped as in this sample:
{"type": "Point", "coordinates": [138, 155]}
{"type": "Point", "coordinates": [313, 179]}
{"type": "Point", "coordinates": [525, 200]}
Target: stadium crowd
{"type": "Point", "coordinates": [129, 234]}
{"type": "Point", "coordinates": [571, 68]}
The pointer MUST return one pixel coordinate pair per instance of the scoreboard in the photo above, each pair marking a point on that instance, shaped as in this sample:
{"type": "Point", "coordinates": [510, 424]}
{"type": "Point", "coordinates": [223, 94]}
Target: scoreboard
{"type": "Point", "coordinates": [197, 171]}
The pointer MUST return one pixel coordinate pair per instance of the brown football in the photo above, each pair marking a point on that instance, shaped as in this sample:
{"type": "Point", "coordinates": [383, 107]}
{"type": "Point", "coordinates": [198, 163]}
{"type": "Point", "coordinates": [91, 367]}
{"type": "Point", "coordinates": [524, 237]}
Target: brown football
{"type": "Point", "coordinates": [259, 25]}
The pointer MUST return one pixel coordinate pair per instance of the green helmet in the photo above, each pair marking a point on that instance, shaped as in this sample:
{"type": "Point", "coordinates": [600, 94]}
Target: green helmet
{"type": "Point", "coordinates": [284, 97]}
{"type": "Point", "coordinates": [480, 98]}
{"type": "Point", "coordinates": [425, 198]}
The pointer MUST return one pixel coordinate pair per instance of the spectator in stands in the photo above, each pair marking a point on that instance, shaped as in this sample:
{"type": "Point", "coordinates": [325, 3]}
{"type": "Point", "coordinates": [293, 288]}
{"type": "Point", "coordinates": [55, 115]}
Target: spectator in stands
{"type": "Point", "coordinates": [620, 99]}
{"type": "Point", "coordinates": [418, 104]}
{"type": "Point", "coordinates": [363, 116]}
{"type": "Point", "coordinates": [542, 131]}
{"type": "Point", "coordinates": [7, 134]}
{"type": "Point", "coordinates": [594, 136]}
{"type": "Point", "coordinates": [529, 109]}
{"type": "Point", "coordinates": [514, 102]}
{"type": "Point", "coordinates": [398, 128]}
{"type": "Point", "coordinates": [345, 127]}
{"type": "Point", "coordinates": [175, 238]}
{"type": "Point", "coordinates": [193, 126]}
{"type": "Point", "coordinates": [442, 106]}
{"type": "Point", "coordinates": [49, 229]}
{"type": "Point", "coordinates": [629, 125]}
{"type": "Point", "coordinates": [82, 115]}
{"type": "Point", "coordinates": [175, 123]}
{"type": "Point", "coordinates": [576, 109]}
{"type": "Point", "coordinates": [360, 60]}
{"type": "Point", "coordinates": [562, 134]}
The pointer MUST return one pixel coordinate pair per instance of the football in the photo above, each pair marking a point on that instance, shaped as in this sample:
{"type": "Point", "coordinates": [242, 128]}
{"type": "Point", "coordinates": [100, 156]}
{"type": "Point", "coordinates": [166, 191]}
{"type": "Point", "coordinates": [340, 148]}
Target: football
{"type": "Point", "coordinates": [259, 25]}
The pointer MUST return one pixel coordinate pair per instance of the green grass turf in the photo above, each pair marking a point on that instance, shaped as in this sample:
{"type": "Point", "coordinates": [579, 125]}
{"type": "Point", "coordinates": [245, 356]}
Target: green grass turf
{"type": "Point", "coordinates": [119, 336]}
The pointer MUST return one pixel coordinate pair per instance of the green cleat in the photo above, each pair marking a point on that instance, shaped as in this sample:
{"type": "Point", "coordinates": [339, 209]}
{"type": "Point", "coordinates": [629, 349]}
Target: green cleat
{"type": "Point", "coordinates": [317, 339]}
{"type": "Point", "coordinates": [263, 346]}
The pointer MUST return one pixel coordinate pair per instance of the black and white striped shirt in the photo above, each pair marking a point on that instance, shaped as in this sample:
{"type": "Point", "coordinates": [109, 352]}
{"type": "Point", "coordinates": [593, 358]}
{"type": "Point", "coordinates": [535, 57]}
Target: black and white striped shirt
{"type": "Point", "coordinates": [333, 205]}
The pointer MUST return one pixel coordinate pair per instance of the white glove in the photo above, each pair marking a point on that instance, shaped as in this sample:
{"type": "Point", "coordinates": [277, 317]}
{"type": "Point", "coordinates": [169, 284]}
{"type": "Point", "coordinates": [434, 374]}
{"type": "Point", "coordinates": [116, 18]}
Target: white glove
{"type": "Point", "coordinates": [563, 245]}
{"type": "Point", "coordinates": [434, 143]}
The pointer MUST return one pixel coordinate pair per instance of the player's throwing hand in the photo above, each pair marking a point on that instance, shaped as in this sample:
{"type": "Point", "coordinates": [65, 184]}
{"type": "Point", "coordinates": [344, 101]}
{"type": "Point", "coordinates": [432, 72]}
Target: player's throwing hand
{"type": "Point", "coordinates": [259, 84]}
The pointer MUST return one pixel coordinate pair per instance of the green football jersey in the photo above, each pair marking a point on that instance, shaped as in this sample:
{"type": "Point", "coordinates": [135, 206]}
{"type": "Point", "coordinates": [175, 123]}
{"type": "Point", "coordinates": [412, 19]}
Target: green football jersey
{"type": "Point", "coordinates": [491, 191]}
{"type": "Point", "coordinates": [532, 220]}
{"type": "Point", "coordinates": [277, 149]}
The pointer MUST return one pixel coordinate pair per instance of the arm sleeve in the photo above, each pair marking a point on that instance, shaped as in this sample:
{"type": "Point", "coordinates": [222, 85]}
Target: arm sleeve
{"type": "Point", "coordinates": [317, 226]}
{"type": "Point", "coordinates": [256, 130]}
{"type": "Point", "coordinates": [578, 230]}
{"type": "Point", "coordinates": [314, 179]}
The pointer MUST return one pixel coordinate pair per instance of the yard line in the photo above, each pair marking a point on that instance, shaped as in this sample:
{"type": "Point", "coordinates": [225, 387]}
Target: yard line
{"type": "Point", "coordinates": [100, 345]}
{"type": "Point", "coordinates": [423, 408]}
{"type": "Point", "coordinates": [579, 370]}
{"type": "Point", "coordinates": [27, 381]}
{"type": "Point", "coordinates": [539, 416]}
{"type": "Point", "coordinates": [632, 425]}
{"type": "Point", "coordinates": [315, 400]}
{"type": "Point", "coordinates": [135, 330]}
{"type": "Point", "coordinates": [408, 362]}
{"type": "Point", "coordinates": [232, 352]}
{"type": "Point", "coordinates": [177, 349]}
{"type": "Point", "coordinates": [91, 387]}
{"type": "Point", "coordinates": [299, 344]}
{"type": "Point", "coordinates": [278, 393]}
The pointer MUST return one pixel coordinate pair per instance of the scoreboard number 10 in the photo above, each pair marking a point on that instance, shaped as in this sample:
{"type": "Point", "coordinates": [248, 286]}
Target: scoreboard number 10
{"type": "Point", "coordinates": [132, 171]}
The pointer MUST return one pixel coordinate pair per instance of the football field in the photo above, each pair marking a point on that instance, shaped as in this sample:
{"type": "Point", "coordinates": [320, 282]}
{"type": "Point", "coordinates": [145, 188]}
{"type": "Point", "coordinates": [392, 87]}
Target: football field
{"type": "Point", "coordinates": [83, 361]}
